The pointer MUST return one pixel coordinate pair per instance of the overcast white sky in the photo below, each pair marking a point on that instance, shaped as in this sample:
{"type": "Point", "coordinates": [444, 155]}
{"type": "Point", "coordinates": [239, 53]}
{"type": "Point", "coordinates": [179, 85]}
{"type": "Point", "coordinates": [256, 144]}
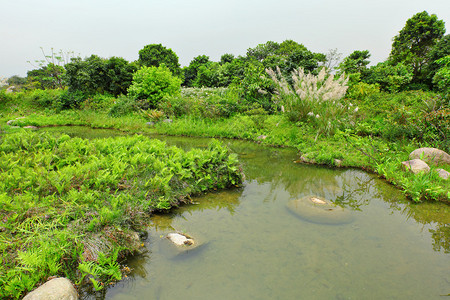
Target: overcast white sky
{"type": "Point", "coordinates": [194, 27]}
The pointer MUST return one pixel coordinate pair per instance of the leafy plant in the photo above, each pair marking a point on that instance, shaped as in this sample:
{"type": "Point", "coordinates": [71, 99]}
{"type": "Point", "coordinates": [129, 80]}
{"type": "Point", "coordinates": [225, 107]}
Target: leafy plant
{"type": "Point", "coordinates": [152, 84]}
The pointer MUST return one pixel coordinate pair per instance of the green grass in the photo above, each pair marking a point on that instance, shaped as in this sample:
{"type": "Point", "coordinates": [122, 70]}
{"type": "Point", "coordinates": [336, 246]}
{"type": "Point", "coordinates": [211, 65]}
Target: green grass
{"type": "Point", "coordinates": [70, 206]}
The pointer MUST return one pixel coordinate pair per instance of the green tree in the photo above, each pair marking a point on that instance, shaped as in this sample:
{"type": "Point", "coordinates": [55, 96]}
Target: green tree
{"type": "Point", "coordinates": [226, 58]}
{"type": "Point", "coordinates": [440, 50]}
{"type": "Point", "coordinates": [98, 75]}
{"type": "Point", "coordinates": [442, 77]}
{"type": "Point", "coordinates": [156, 55]}
{"type": "Point", "coordinates": [191, 71]}
{"type": "Point", "coordinates": [356, 62]}
{"type": "Point", "coordinates": [152, 84]}
{"type": "Point", "coordinates": [414, 42]}
{"type": "Point", "coordinates": [262, 51]}
{"type": "Point", "coordinates": [389, 77]}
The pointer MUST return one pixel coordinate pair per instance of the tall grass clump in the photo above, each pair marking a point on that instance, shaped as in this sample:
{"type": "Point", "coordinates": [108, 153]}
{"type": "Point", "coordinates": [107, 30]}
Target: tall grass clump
{"type": "Point", "coordinates": [313, 98]}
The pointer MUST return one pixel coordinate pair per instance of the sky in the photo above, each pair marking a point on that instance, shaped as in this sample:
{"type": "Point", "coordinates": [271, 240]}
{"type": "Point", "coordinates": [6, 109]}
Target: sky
{"type": "Point", "coordinates": [199, 27]}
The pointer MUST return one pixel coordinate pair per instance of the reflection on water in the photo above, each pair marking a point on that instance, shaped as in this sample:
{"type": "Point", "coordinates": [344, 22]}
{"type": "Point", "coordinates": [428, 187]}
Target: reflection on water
{"type": "Point", "coordinates": [254, 248]}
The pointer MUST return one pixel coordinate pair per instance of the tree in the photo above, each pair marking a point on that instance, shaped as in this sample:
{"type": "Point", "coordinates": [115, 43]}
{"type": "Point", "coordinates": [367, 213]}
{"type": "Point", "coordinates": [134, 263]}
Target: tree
{"type": "Point", "coordinates": [49, 72]}
{"type": "Point", "coordinates": [98, 75]}
{"type": "Point", "coordinates": [262, 51]}
{"type": "Point", "coordinates": [156, 55]}
{"type": "Point", "coordinates": [414, 42]}
{"type": "Point", "coordinates": [152, 84]}
{"type": "Point", "coordinates": [390, 78]}
{"type": "Point", "coordinates": [356, 62]}
{"type": "Point", "coordinates": [191, 71]}
{"type": "Point", "coordinates": [332, 59]}
{"type": "Point", "coordinates": [226, 58]}
{"type": "Point", "coordinates": [440, 50]}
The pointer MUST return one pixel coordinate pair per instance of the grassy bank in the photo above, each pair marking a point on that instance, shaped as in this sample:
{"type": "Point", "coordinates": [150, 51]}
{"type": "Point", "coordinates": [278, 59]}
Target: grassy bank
{"type": "Point", "coordinates": [72, 207]}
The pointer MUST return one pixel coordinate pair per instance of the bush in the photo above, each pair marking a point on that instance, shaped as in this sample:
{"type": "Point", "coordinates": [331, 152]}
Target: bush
{"type": "Point", "coordinates": [69, 99]}
{"type": "Point", "coordinates": [123, 106]}
{"type": "Point", "coordinates": [152, 84]}
{"type": "Point", "coordinates": [390, 78]}
{"type": "Point", "coordinates": [205, 102]}
{"type": "Point", "coordinates": [314, 99]}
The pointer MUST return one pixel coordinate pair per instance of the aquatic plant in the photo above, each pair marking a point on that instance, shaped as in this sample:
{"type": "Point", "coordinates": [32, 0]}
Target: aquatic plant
{"type": "Point", "coordinates": [70, 203]}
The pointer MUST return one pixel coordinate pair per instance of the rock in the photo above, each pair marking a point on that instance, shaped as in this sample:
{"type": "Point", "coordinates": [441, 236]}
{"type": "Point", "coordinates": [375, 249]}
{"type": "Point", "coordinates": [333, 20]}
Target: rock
{"type": "Point", "coordinates": [31, 127]}
{"type": "Point", "coordinates": [150, 123]}
{"type": "Point", "coordinates": [415, 166]}
{"type": "Point", "coordinates": [167, 121]}
{"type": "Point", "coordinates": [180, 243]}
{"type": "Point", "coordinates": [55, 289]}
{"type": "Point", "coordinates": [262, 137]}
{"type": "Point", "coordinates": [307, 160]}
{"type": "Point", "coordinates": [180, 239]}
{"type": "Point", "coordinates": [319, 210]}
{"type": "Point", "coordinates": [431, 155]}
{"type": "Point", "coordinates": [338, 162]}
{"type": "Point", "coordinates": [10, 122]}
{"type": "Point", "coordinates": [443, 173]}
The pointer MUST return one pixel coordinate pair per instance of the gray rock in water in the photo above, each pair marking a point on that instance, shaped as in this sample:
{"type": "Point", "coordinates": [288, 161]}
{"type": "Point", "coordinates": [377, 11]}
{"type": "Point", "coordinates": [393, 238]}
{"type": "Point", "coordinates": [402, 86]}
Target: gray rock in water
{"type": "Point", "coordinates": [415, 166]}
{"type": "Point", "coordinates": [319, 210]}
{"type": "Point", "coordinates": [443, 173]}
{"type": "Point", "coordinates": [55, 289]}
{"type": "Point", "coordinates": [431, 155]}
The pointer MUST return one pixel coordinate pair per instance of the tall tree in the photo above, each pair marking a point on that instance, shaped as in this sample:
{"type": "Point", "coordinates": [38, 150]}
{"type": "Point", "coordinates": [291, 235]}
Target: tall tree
{"type": "Point", "coordinates": [356, 62]}
{"type": "Point", "coordinates": [156, 55]}
{"type": "Point", "coordinates": [414, 42]}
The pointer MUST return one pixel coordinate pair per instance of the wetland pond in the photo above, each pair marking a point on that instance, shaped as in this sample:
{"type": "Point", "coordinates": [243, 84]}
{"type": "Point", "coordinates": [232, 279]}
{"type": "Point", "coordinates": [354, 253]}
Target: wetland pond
{"type": "Point", "coordinates": [254, 247]}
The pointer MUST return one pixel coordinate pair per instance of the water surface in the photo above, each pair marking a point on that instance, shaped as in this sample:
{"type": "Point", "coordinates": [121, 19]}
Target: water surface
{"type": "Point", "coordinates": [253, 247]}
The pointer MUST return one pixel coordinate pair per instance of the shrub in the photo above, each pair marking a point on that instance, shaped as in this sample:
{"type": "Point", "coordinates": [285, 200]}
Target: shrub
{"type": "Point", "coordinates": [442, 77]}
{"type": "Point", "coordinates": [390, 78]}
{"type": "Point", "coordinates": [152, 84]}
{"type": "Point", "coordinates": [123, 105]}
{"type": "Point", "coordinates": [69, 99]}
{"type": "Point", "coordinates": [312, 98]}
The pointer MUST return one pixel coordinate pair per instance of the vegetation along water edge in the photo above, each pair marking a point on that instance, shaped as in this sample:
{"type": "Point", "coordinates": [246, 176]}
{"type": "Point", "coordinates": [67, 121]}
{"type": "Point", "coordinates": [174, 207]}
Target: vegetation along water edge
{"type": "Point", "coordinates": [96, 194]}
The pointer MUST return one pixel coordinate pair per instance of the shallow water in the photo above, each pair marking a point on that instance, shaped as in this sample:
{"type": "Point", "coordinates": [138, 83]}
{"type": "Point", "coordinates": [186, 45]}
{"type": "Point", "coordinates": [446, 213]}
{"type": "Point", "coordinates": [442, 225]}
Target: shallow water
{"type": "Point", "coordinates": [253, 247]}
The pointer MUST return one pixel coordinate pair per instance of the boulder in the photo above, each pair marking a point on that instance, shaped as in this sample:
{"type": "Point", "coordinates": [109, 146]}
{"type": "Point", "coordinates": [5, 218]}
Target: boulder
{"type": "Point", "coordinates": [55, 289]}
{"type": "Point", "coordinates": [180, 243]}
{"type": "Point", "coordinates": [443, 173]}
{"type": "Point", "coordinates": [431, 155]}
{"type": "Point", "coordinates": [415, 166]}
{"type": "Point", "coordinates": [319, 210]}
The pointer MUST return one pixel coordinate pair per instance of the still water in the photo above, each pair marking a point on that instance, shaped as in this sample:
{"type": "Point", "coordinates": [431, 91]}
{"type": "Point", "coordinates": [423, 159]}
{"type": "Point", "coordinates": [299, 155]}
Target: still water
{"type": "Point", "coordinates": [254, 247]}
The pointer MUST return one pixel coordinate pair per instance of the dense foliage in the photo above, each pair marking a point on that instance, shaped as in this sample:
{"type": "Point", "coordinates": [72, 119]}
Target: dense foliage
{"type": "Point", "coordinates": [156, 55]}
{"type": "Point", "coordinates": [69, 203]}
{"type": "Point", "coordinates": [152, 84]}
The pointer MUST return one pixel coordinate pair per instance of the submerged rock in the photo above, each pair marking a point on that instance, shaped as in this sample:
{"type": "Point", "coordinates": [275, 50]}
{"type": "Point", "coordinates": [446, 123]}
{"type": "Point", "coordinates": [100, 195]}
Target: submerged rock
{"type": "Point", "coordinates": [319, 210]}
{"type": "Point", "coordinates": [55, 289]}
{"type": "Point", "coordinates": [179, 243]}
{"type": "Point", "coordinates": [180, 239]}
{"type": "Point", "coordinates": [431, 155]}
{"type": "Point", "coordinates": [415, 166]}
